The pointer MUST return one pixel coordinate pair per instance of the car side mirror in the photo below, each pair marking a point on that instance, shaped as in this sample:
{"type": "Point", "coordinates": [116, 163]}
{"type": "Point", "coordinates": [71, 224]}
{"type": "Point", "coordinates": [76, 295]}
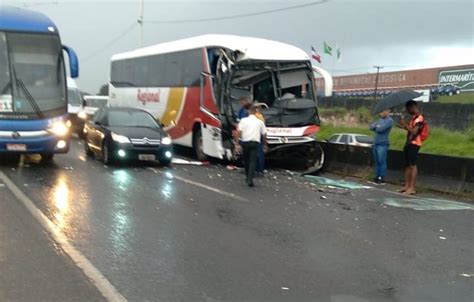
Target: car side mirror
{"type": "Point", "coordinates": [84, 103]}
{"type": "Point", "coordinates": [98, 123]}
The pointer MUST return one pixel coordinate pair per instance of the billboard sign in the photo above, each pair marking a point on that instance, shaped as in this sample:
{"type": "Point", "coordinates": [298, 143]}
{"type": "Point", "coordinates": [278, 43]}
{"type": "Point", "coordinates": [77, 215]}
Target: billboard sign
{"type": "Point", "coordinates": [463, 78]}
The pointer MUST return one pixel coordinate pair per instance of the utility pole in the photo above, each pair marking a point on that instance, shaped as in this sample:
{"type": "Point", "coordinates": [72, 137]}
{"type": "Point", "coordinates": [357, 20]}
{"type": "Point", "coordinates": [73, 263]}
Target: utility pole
{"type": "Point", "coordinates": [376, 82]}
{"type": "Point", "coordinates": [140, 21]}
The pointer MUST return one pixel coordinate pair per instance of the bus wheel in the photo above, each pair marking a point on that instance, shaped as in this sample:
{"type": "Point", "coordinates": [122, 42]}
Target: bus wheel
{"type": "Point", "coordinates": [46, 157]}
{"type": "Point", "coordinates": [198, 145]}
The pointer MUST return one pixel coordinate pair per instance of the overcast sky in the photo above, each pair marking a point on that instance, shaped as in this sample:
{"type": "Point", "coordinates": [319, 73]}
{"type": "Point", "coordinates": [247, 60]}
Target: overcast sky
{"type": "Point", "coordinates": [398, 34]}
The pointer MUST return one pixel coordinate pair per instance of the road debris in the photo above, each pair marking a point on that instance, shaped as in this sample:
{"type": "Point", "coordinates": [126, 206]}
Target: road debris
{"type": "Point", "coordinates": [285, 288]}
{"type": "Point", "coordinates": [335, 183]}
{"type": "Point", "coordinates": [425, 204]}
{"type": "Point", "coordinates": [466, 275]}
{"type": "Point", "coordinates": [180, 161]}
{"type": "Point", "coordinates": [323, 197]}
{"type": "Point", "coordinates": [442, 238]}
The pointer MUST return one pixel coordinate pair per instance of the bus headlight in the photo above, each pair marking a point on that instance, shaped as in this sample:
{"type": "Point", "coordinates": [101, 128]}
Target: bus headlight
{"type": "Point", "coordinates": [166, 141]}
{"type": "Point", "coordinates": [58, 128]}
{"type": "Point", "coordinates": [82, 115]}
{"type": "Point", "coordinates": [120, 138]}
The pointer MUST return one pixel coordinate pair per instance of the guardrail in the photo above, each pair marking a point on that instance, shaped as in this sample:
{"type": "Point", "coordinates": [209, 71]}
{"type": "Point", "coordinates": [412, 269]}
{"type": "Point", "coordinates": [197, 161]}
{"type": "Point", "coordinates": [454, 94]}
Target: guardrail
{"type": "Point", "coordinates": [354, 160]}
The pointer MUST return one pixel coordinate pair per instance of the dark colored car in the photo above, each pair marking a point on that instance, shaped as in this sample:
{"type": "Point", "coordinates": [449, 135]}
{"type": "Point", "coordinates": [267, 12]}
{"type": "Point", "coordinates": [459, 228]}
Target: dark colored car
{"type": "Point", "coordinates": [123, 134]}
{"type": "Point", "coordinates": [450, 90]}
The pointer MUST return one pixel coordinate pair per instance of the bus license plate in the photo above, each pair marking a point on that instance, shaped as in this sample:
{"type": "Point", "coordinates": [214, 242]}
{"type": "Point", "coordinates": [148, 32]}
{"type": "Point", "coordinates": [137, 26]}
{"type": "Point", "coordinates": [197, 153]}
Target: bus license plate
{"type": "Point", "coordinates": [16, 147]}
{"type": "Point", "coordinates": [146, 157]}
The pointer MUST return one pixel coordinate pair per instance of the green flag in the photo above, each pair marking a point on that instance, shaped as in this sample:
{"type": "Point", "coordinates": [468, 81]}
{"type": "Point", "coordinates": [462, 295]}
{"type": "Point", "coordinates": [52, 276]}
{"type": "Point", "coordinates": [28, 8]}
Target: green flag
{"type": "Point", "coordinates": [327, 48]}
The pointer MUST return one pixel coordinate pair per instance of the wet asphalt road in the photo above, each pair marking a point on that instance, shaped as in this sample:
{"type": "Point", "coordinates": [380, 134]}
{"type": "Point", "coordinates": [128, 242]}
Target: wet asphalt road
{"type": "Point", "coordinates": [193, 233]}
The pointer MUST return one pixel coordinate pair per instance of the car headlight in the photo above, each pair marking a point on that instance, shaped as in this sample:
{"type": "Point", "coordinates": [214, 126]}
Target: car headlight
{"type": "Point", "coordinates": [120, 138]}
{"type": "Point", "coordinates": [58, 128]}
{"type": "Point", "coordinates": [166, 141]}
{"type": "Point", "coordinates": [82, 115]}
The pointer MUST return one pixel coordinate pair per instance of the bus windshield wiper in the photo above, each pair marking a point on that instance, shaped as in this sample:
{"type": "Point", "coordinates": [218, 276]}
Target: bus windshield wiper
{"type": "Point", "coordinates": [29, 97]}
{"type": "Point", "coordinates": [27, 93]}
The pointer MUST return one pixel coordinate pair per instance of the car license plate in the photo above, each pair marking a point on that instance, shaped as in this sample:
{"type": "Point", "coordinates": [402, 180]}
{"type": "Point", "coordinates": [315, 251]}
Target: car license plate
{"type": "Point", "coordinates": [16, 147]}
{"type": "Point", "coordinates": [146, 157]}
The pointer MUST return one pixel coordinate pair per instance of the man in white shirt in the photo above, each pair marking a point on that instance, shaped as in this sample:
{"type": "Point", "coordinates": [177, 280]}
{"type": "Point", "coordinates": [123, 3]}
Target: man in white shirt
{"type": "Point", "coordinates": [250, 131]}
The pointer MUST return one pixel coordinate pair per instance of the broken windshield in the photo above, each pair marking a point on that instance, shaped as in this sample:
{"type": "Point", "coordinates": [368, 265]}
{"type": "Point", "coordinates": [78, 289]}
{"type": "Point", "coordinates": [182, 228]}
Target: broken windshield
{"type": "Point", "coordinates": [283, 90]}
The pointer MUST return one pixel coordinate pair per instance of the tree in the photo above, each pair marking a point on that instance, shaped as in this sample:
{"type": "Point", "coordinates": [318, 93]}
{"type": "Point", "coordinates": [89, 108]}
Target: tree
{"type": "Point", "coordinates": [104, 89]}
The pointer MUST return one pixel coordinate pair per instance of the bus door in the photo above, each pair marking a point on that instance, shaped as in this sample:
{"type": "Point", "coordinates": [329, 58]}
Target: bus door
{"type": "Point", "coordinates": [211, 132]}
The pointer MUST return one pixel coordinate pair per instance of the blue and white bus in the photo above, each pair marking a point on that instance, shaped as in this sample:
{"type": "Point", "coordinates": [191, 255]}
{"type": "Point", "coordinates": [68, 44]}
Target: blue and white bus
{"type": "Point", "coordinates": [33, 90]}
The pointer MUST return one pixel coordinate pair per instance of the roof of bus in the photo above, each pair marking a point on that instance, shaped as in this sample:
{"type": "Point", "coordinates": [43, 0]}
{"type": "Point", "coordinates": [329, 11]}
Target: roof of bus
{"type": "Point", "coordinates": [19, 19]}
{"type": "Point", "coordinates": [252, 48]}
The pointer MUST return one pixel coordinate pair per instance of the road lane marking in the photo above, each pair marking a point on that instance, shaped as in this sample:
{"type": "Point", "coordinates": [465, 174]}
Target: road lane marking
{"type": "Point", "coordinates": [198, 184]}
{"type": "Point", "coordinates": [95, 276]}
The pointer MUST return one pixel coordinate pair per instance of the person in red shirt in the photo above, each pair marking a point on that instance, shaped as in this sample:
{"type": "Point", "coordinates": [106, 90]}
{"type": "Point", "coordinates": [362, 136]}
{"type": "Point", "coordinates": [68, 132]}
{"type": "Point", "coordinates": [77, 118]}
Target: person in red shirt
{"type": "Point", "coordinates": [412, 145]}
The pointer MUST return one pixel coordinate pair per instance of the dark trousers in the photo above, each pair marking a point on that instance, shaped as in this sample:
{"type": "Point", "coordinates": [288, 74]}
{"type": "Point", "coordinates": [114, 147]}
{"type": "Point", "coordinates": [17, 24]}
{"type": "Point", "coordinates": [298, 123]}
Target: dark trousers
{"type": "Point", "coordinates": [249, 153]}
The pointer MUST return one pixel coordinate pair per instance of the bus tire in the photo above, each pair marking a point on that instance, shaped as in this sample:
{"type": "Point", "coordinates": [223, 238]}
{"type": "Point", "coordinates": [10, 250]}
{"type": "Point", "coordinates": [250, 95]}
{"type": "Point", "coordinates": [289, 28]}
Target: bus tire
{"type": "Point", "coordinates": [87, 150]}
{"type": "Point", "coordinates": [47, 157]}
{"type": "Point", "coordinates": [198, 145]}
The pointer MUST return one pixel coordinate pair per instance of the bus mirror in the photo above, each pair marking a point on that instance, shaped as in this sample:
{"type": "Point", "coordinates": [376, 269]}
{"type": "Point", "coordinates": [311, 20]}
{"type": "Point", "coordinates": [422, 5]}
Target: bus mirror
{"type": "Point", "coordinates": [73, 61]}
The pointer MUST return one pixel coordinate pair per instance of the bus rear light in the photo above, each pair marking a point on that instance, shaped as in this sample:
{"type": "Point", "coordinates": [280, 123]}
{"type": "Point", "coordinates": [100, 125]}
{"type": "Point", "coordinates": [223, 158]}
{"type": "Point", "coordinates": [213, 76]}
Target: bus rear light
{"type": "Point", "coordinates": [311, 130]}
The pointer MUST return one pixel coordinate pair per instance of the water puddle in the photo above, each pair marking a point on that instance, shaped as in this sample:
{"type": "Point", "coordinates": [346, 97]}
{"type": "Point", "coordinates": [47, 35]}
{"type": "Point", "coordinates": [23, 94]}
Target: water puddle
{"type": "Point", "coordinates": [425, 204]}
{"type": "Point", "coordinates": [335, 183]}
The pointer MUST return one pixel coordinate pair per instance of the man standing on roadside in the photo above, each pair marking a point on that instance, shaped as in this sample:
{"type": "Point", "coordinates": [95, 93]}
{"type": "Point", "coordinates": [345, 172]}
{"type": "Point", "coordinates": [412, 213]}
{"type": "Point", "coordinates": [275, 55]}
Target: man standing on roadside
{"type": "Point", "coordinates": [382, 129]}
{"type": "Point", "coordinates": [251, 131]}
{"type": "Point", "coordinates": [412, 146]}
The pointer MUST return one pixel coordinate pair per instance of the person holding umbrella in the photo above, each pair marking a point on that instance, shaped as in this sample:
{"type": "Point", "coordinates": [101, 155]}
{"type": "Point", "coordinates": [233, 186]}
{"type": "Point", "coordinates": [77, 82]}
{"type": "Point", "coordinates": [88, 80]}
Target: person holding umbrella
{"type": "Point", "coordinates": [382, 129]}
{"type": "Point", "coordinates": [393, 100]}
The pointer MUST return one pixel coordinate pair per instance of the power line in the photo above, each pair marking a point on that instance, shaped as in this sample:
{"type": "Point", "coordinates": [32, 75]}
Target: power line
{"type": "Point", "coordinates": [259, 13]}
{"type": "Point", "coordinates": [110, 43]}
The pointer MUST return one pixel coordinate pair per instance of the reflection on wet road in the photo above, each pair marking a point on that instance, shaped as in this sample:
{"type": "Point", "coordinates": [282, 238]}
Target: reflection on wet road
{"type": "Point", "coordinates": [197, 233]}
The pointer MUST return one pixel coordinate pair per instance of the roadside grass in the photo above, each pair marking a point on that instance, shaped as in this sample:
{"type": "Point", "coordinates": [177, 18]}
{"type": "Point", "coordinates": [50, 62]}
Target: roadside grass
{"type": "Point", "coordinates": [441, 141]}
{"type": "Point", "coordinates": [462, 98]}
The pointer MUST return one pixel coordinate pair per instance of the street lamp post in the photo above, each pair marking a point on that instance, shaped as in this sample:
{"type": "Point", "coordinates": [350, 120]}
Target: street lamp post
{"type": "Point", "coordinates": [140, 22]}
{"type": "Point", "coordinates": [376, 82]}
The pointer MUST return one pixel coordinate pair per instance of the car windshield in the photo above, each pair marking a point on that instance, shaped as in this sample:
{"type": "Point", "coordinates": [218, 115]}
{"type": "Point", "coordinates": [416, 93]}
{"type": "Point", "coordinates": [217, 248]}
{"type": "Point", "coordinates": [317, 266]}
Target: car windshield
{"type": "Point", "coordinates": [34, 82]}
{"type": "Point", "coordinates": [364, 139]}
{"type": "Point", "coordinates": [73, 96]}
{"type": "Point", "coordinates": [131, 119]}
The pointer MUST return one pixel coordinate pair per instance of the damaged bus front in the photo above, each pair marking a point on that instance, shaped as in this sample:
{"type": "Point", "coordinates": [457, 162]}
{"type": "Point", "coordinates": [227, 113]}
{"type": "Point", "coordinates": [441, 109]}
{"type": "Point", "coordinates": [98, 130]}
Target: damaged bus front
{"type": "Point", "coordinates": [284, 90]}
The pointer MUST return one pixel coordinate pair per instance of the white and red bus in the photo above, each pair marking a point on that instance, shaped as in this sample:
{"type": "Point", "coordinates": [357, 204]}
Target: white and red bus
{"type": "Point", "coordinates": [193, 87]}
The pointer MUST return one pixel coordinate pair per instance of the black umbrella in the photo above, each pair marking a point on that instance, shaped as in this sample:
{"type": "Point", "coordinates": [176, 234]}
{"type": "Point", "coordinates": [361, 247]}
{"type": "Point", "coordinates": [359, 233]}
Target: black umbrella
{"type": "Point", "coordinates": [395, 99]}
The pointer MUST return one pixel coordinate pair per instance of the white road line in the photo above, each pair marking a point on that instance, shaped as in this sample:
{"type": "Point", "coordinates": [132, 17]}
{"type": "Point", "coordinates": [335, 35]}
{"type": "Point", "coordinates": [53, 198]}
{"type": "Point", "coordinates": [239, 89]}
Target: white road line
{"type": "Point", "coordinates": [198, 184]}
{"type": "Point", "coordinates": [96, 277]}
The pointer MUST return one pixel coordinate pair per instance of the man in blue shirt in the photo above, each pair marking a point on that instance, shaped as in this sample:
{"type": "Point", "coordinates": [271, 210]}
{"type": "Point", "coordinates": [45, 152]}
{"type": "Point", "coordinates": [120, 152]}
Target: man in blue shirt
{"type": "Point", "coordinates": [244, 106]}
{"type": "Point", "coordinates": [382, 129]}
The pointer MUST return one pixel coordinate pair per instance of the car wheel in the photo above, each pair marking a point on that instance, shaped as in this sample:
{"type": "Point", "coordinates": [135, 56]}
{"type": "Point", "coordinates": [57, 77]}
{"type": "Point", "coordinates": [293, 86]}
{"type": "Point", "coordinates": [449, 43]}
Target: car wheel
{"type": "Point", "coordinates": [198, 146]}
{"type": "Point", "coordinates": [458, 91]}
{"type": "Point", "coordinates": [87, 149]}
{"type": "Point", "coordinates": [450, 93]}
{"type": "Point", "coordinates": [47, 157]}
{"type": "Point", "coordinates": [106, 156]}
